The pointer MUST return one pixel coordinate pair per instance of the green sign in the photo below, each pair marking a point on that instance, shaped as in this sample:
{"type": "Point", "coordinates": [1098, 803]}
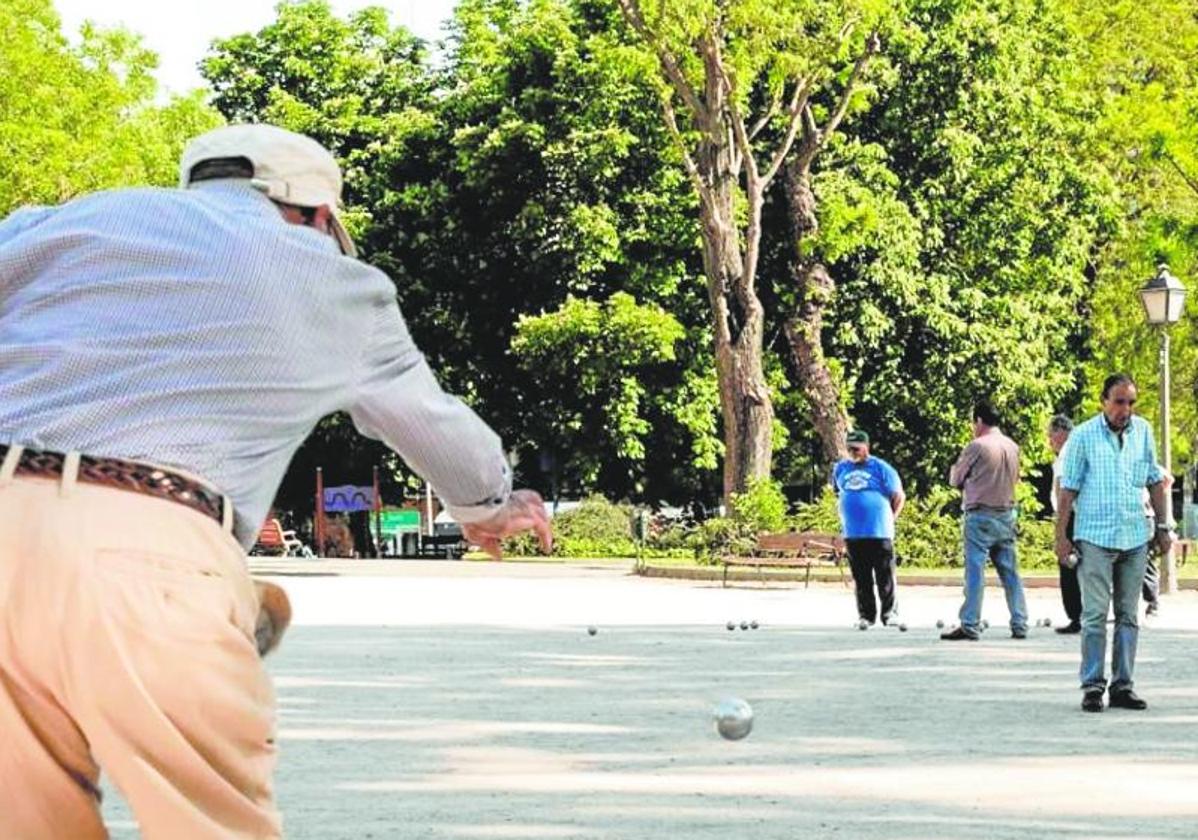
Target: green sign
{"type": "Point", "coordinates": [399, 521]}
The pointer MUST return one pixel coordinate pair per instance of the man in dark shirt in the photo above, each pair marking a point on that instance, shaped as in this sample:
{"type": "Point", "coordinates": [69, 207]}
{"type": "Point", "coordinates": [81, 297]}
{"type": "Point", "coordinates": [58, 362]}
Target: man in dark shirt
{"type": "Point", "coordinates": [986, 473]}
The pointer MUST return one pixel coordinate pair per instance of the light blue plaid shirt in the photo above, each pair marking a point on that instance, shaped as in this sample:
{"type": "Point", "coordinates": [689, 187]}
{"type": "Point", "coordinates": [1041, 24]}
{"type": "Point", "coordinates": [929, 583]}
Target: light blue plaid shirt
{"type": "Point", "coordinates": [198, 329]}
{"type": "Point", "coordinates": [1109, 480]}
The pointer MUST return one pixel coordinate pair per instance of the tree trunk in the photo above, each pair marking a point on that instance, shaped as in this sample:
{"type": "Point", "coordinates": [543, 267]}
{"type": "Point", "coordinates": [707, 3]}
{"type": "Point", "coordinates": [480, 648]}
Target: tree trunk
{"type": "Point", "coordinates": [738, 327]}
{"type": "Point", "coordinates": [815, 288]}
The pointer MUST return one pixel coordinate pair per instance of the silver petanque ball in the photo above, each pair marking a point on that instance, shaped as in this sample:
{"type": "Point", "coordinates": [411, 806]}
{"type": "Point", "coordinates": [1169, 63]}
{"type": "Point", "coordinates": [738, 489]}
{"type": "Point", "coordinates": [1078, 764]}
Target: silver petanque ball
{"type": "Point", "coordinates": [754, 625]}
{"type": "Point", "coordinates": [1048, 622]}
{"type": "Point", "coordinates": [985, 624]}
{"type": "Point", "coordinates": [863, 624]}
{"type": "Point", "coordinates": [733, 718]}
{"type": "Point", "coordinates": [940, 624]}
{"type": "Point", "coordinates": [731, 625]}
{"type": "Point", "coordinates": [592, 630]}
{"type": "Point", "coordinates": [902, 628]}
{"type": "Point", "coordinates": [744, 625]}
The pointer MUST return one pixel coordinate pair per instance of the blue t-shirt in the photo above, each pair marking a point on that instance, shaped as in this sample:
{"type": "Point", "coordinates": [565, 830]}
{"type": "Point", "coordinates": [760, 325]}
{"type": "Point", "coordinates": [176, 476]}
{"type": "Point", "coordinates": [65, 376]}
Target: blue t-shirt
{"type": "Point", "coordinates": [865, 490]}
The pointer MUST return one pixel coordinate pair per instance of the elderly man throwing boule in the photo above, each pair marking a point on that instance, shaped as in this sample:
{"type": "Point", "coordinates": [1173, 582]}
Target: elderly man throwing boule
{"type": "Point", "coordinates": [162, 355]}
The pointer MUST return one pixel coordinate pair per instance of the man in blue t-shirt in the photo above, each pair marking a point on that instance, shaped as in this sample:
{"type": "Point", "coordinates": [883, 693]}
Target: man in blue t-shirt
{"type": "Point", "coordinates": [871, 496]}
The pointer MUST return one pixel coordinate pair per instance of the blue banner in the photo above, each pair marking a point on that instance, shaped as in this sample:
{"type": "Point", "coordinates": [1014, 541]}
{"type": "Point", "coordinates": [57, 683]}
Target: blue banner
{"type": "Point", "coordinates": [348, 499]}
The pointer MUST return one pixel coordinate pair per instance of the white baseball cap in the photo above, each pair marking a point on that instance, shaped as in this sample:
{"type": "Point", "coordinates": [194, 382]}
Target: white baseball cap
{"type": "Point", "coordinates": [288, 167]}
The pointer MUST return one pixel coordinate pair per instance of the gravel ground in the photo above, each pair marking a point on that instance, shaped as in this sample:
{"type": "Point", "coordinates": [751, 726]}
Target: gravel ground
{"type": "Point", "coordinates": [463, 700]}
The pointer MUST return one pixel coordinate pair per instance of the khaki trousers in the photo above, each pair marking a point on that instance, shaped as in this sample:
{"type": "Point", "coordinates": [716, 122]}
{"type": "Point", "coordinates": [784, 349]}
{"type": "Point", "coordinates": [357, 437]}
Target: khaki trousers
{"type": "Point", "coordinates": [127, 643]}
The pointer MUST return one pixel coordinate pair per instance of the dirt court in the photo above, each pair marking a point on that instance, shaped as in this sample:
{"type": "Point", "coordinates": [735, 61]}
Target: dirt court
{"type": "Point", "coordinates": [467, 700]}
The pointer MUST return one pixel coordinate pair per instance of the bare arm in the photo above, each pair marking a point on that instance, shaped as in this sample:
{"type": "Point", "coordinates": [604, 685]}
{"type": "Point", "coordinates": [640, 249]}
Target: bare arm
{"type": "Point", "coordinates": [897, 500]}
{"type": "Point", "coordinates": [1065, 499]}
{"type": "Point", "coordinates": [1157, 493]}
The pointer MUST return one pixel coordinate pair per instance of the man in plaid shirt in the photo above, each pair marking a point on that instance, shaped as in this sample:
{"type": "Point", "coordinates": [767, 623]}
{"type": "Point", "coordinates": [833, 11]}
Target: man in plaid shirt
{"type": "Point", "coordinates": [1109, 461]}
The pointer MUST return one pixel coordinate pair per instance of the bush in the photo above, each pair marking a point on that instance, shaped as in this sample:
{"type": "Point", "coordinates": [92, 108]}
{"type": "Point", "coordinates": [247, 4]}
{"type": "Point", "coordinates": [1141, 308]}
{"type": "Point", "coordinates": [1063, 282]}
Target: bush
{"type": "Point", "coordinates": [596, 528]}
{"type": "Point", "coordinates": [822, 515]}
{"type": "Point", "coordinates": [928, 533]}
{"type": "Point", "coordinates": [722, 535]}
{"type": "Point", "coordinates": [762, 506]}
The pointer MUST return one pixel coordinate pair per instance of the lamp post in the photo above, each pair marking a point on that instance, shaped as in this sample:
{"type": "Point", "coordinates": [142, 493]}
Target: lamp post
{"type": "Point", "coordinates": [1163, 297]}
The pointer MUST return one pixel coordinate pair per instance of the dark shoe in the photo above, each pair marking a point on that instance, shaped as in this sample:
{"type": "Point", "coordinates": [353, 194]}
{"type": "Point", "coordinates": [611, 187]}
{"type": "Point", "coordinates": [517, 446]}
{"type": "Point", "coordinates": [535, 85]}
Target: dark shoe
{"type": "Point", "coordinates": [1092, 700]}
{"type": "Point", "coordinates": [1152, 608]}
{"type": "Point", "coordinates": [1020, 633]}
{"type": "Point", "coordinates": [887, 620]}
{"type": "Point", "coordinates": [1071, 627]}
{"type": "Point", "coordinates": [1127, 699]}
{"type": "Point", "coordinates": [958, 634]}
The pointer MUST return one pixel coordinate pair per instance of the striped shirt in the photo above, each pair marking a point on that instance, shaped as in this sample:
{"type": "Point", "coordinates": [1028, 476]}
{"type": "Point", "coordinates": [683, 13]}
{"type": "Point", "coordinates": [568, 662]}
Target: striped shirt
{"type": "Point", "coordinates": [198, 329]}
{"type": "Point", "coordinates": [1109, 480]}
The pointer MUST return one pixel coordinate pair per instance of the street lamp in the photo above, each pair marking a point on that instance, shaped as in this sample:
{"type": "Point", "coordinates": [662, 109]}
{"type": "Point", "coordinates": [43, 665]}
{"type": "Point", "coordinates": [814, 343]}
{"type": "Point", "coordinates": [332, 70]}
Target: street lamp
{"type": "Point", "coordinates": [1163, 297]}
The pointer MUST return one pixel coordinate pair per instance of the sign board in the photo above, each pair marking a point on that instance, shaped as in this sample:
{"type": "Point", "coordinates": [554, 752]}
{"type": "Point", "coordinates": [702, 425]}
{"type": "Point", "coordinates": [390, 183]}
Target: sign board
{"type": "Point", "coordinates": [348, 499]}
{"type": "Point", "coordinates": [399, 522]}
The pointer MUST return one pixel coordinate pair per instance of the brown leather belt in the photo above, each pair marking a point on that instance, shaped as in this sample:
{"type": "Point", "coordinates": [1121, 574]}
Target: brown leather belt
{"type": "Point", "coordinates": [126, 475]}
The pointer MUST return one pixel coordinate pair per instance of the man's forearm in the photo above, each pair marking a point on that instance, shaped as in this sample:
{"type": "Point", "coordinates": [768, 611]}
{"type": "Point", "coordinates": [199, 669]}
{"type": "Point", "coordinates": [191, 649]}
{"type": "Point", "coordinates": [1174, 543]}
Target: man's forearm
{"type": "Point", "coordinates": [1064, 512]}
{"type": "Point", "coordinates": [1159, 498]}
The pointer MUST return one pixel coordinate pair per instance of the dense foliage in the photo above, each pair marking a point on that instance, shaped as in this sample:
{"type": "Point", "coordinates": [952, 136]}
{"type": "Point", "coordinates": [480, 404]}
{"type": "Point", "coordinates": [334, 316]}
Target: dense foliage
{"type": "Point", "coordinates": [1007, 173]}
{"type": "Point", "coordinates": [79, 118]}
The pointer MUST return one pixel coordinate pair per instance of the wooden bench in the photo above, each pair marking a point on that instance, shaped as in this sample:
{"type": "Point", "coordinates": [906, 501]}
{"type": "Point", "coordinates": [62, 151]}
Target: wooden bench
{"type": "Point", "coordinates": [792, 550]}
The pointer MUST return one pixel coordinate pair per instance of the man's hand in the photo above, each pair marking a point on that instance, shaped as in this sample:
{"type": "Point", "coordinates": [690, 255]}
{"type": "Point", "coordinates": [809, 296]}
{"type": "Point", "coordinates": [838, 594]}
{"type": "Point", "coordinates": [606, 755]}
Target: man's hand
{"type": "Point", "coordinates": [1064, 547]}
{"type": "Point", "coordinates": [523, 511]}
{"type": "Point", "coordinates": [1164, 541]}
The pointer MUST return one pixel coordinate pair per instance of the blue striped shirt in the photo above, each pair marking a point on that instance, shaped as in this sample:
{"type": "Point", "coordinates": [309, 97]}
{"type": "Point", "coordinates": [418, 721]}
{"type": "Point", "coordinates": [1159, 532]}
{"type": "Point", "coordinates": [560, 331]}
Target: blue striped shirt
{"type": "Point", "coordinates": [198, 329]}
{"type": "Point", "coordinates": [1109, 480]}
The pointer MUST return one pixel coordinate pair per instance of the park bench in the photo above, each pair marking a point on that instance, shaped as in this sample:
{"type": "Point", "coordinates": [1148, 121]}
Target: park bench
{"type": "Point", "coordinates": [273, 540]}
{"type": "Point", "coordinates": [792, 550]}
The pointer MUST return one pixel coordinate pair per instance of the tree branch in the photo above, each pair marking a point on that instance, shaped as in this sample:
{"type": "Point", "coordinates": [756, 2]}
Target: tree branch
{"type": "Point", "coordinates": [764, 119]}
{"type": "Point", "coordinates": [815, 137]}
{"type": "Point", "coordinates": [688, 162]}
{"type": "Point", "coordinates": [794, 114]}
{"type": "Point", "coordinates": [1190, 181]}
{"type": "Point", "coordinates": [631, 10]}
{"type": "Point", "coordinates": [872, 44]}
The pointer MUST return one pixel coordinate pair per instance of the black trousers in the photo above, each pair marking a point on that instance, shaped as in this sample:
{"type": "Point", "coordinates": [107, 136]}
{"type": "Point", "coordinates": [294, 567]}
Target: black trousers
{"type": "Point", "coordinates": [1151, 591]}
{"type": "Point", "coordinates": [873, 560]}
{"type": "Point", "coordinates": [1071, 590]}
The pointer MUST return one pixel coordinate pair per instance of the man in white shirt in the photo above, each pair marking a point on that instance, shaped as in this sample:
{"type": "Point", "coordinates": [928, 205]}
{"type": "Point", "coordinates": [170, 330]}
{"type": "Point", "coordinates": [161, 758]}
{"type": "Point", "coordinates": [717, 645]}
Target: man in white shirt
{"type": "Point", "coordinates": [162, 355]}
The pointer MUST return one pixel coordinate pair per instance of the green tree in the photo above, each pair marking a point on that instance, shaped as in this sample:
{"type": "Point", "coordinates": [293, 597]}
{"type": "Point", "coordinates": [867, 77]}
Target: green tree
{"type": "Point", "coordinates": [77, 119]}
{"type": "Point", "coordinates": [737, 82]}
{"type": "Point", "coordinates": [526, 169]}
{"type": "Point", "coordinates": [593, 366]}
{"type": "Point", "coordinates": [959, 215]}
{"type": "Point", "coordinates": [1141, 58]}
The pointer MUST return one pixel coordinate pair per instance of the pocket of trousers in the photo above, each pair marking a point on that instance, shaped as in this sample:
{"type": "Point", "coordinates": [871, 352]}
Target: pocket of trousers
{"type": "Point", "coordinates": [164, 594]}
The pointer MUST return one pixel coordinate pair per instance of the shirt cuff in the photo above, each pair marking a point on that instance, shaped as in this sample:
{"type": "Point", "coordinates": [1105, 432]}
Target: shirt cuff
{"type": "Point", "coordinates": [486, 508]}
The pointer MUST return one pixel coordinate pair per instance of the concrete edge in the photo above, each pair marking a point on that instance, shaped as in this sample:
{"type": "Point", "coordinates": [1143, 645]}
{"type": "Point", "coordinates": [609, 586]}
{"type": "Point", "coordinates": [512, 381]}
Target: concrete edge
{"type": "Point", "coordinates": [750, 576]}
